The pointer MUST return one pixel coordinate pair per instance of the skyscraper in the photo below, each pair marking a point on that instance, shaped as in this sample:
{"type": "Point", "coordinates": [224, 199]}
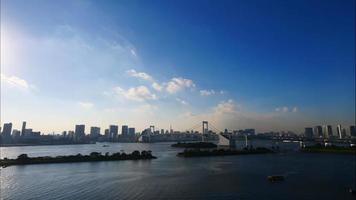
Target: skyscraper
{"type": "Point", "coordinates": [113, 131]}
{"type": "Point", "coordinates": [23, 130]}
{"type": "Point", "coordinates": [94, 132]}
{"type": "Point", "coordinates": [125, 130]}
{"type": "Point", "coordinates": [329, 131]}
{"type": "Point", "coordinates": [318, 131]}
{"type": "Point", "coordinates": [308, 133]}
{"type": "Point", "coordinates": [132, 132]}
{"type": "Point", "coordinates": [339, 131]}
{"type": "Point", "coordinates": [353, 131]}
{"type": "Point", "coordinates": [6, 132]}
{"type": "Point", "coordinates": [79, 131]}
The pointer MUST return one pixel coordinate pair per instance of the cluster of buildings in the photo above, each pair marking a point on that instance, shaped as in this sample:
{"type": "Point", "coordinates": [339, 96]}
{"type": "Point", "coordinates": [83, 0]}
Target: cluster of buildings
{"type": "Point", "coordinates": [9, 135]}
{"type": "Point", "coordinates": [115, 133]}
{"type": "Point", "coordinates": [111, 134]}
{"type": "Point", "coordinates": [327, 132]}
{"type": "Point", "coordinates": [28, 136]}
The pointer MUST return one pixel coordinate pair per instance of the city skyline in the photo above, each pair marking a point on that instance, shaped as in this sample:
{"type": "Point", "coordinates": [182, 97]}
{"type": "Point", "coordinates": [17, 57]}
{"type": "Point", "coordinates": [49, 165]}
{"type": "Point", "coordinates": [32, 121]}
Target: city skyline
{"type": "Point", "coordinates": [104, 64]}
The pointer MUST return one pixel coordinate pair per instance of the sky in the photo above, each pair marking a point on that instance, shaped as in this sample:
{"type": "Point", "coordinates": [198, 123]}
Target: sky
{"type": "Point", "coordinates": [269, 65]}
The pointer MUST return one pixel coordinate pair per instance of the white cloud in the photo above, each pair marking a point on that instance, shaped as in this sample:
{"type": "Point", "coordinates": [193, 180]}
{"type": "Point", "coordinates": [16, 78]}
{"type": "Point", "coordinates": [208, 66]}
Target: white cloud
{"type": "Point", "coordinates": [178, 84]}
{"type": "Point", "coordinates": [226, 107]}
{"type": "Point", "coordinates": [140, 93]}
{"type": "Point", "coordinates": [86, 105]}
{"type": "Point", "coordinates": [207, 92]}
{"type": "Point", "coordinates": [157, 86]}
{"type": "Point", "coordinates": [16, 82]}
{"type": "Point", "coordinates": [140, 75]}
{"type": "Point", "coordinates": [286, 109]}
{"type": "Point", "coordinates": [183, 102]}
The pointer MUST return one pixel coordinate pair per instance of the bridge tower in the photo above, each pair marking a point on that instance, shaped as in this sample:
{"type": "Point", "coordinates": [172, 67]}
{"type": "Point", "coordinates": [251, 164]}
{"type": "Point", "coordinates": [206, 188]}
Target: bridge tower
{"type": "Point", "coordinates": [152, 129]}
{"type": "Point", "coordinates": [205, 129]}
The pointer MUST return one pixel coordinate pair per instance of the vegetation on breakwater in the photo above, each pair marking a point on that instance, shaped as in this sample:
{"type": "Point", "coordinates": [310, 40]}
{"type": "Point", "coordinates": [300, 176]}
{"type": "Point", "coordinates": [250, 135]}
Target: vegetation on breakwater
{"type": "Point", "coordinates": [23, 159]}
{"type": "Point", "coordinates": [319, 148]}
{"type": "Point", "coordinates": [223, 152]}
{"type": "Point", "coordinates": [194, 145]}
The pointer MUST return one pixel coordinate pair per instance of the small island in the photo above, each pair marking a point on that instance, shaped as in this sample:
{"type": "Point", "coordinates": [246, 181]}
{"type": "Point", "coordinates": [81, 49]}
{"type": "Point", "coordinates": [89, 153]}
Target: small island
{"type": "Point", "coordinates": [319, 148]}
{"type": "Point", "coordinates": [223, 152]}
{"type": "Point", "coordinates": [23, 159]}
{"type": "Point", "coordinates": [194, 145]}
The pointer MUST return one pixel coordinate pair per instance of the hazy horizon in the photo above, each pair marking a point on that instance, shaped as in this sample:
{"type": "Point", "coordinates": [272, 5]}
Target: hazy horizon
{"type": "Point", "coordinates": [273, 67]}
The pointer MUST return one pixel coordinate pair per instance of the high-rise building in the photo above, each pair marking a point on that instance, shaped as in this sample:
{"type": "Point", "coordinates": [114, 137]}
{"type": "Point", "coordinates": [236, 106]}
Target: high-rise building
{"type": "Point", "coordinates": [16, 133]}
{"type": "Point", "coordinates": [94, 132]}
{"type": "Point", "coordinates": [132, 132]}
{"type": "Point", "coordinates": [79, 132]}
{"type": "Point", "coordinates": [107, 133]}
{"type": "Point", "coordinates": [339, 131]}
{"type": "Point", "coordinates": [125, 130]}
{"type": "Point", "coordinates": [23, 130]}
{"type": "Point", "coordinates": [6, 132]}
{"type": "Point", "coordinates": [353, 131]}
{"type": "Point", "coordinates": [343, 133]}
{"type": "Point", "coordinates": [318, 131]}
{"type": "Point", "coordinates": [308, 133]}
{"type": "Point", "coordinates": [328, 131]}
{"type": "Point", "coordinates": [113, 131]}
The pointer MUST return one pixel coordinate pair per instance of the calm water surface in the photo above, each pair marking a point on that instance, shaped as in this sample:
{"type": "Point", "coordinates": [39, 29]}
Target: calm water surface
{"type": "Point", "coordinates": [308, 176]}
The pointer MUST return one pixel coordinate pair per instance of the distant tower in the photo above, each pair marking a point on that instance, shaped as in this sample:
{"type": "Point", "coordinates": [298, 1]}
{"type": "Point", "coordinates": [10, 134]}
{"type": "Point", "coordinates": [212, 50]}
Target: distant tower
{"type": "Point", "coordinates": [23, 128]}
{"type": "Point", "coordinates": [152, 129]}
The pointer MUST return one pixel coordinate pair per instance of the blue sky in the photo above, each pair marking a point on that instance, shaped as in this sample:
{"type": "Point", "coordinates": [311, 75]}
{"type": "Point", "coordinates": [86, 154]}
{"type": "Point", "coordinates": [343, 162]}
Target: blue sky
{"type": "Point", "coordinates": [269, 65]}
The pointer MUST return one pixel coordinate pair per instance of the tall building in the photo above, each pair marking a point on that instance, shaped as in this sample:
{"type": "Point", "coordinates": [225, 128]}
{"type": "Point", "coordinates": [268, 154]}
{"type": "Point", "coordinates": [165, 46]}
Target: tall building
{"type": "Point", "coordinates": [113, 131]}
{"type": "Point", "coordinates": [328, 131]}
{"type": "Point", "coordinates": [94, 132]}
{"type": "Point", "coordinates": [23, 130]}
{"type": "Point", "coordinates": [343, 133]}
{"type": "Point", "coordinates": [339, 131]}
{"type": "Point", "coordinates": [6, 131]}
{"type": "Point", "coordinates": [107, 133]}
{"type": "Point", "coordinates": [132, 132]}
{"type": "Point", "coordinates": [79, 132]}
{"type": "Point", "coordinates": [308, 133]}
{"type": "Point", "coordinates": [318, 131]}
{"type": "Point", "coordinates": [125, 130]}
{"type": "Point", "coordinates": [353, 131]}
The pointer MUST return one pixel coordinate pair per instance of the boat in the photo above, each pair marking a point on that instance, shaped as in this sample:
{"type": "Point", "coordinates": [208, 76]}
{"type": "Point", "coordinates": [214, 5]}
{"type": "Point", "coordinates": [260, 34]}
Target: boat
{"type": "Point", "coordinates": [275, 178]}
{"type": "Point", "coordinates": [105, 145]}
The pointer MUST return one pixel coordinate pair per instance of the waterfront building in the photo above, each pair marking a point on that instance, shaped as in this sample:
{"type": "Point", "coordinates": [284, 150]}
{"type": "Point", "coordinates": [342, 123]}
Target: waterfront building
{"type": "Point", "coordinates": [343, 133]}
{"type": "Point", "coordinates": [318, 131]}
{"type": "Point", "coordinates": [23, 128]}
{"type": "Point", "coordinates": [6, 132]}
{"type": "Point", "coordinates": [125, 130]}
{"type": "Point", "coordinates": [113, 131]}
{"type": "Point", "coordinates": [132, 132]}
{"type": "Point", "coordinates": [79, 132]}
{"type": "Point", "coordinates": [308, 133]}
{"type": "Point", "coordinates": [328, 131]}
{"type": "Point", "coordinates": [94, 132]}
{"type": "Point", "coordinates": [353, 131]}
